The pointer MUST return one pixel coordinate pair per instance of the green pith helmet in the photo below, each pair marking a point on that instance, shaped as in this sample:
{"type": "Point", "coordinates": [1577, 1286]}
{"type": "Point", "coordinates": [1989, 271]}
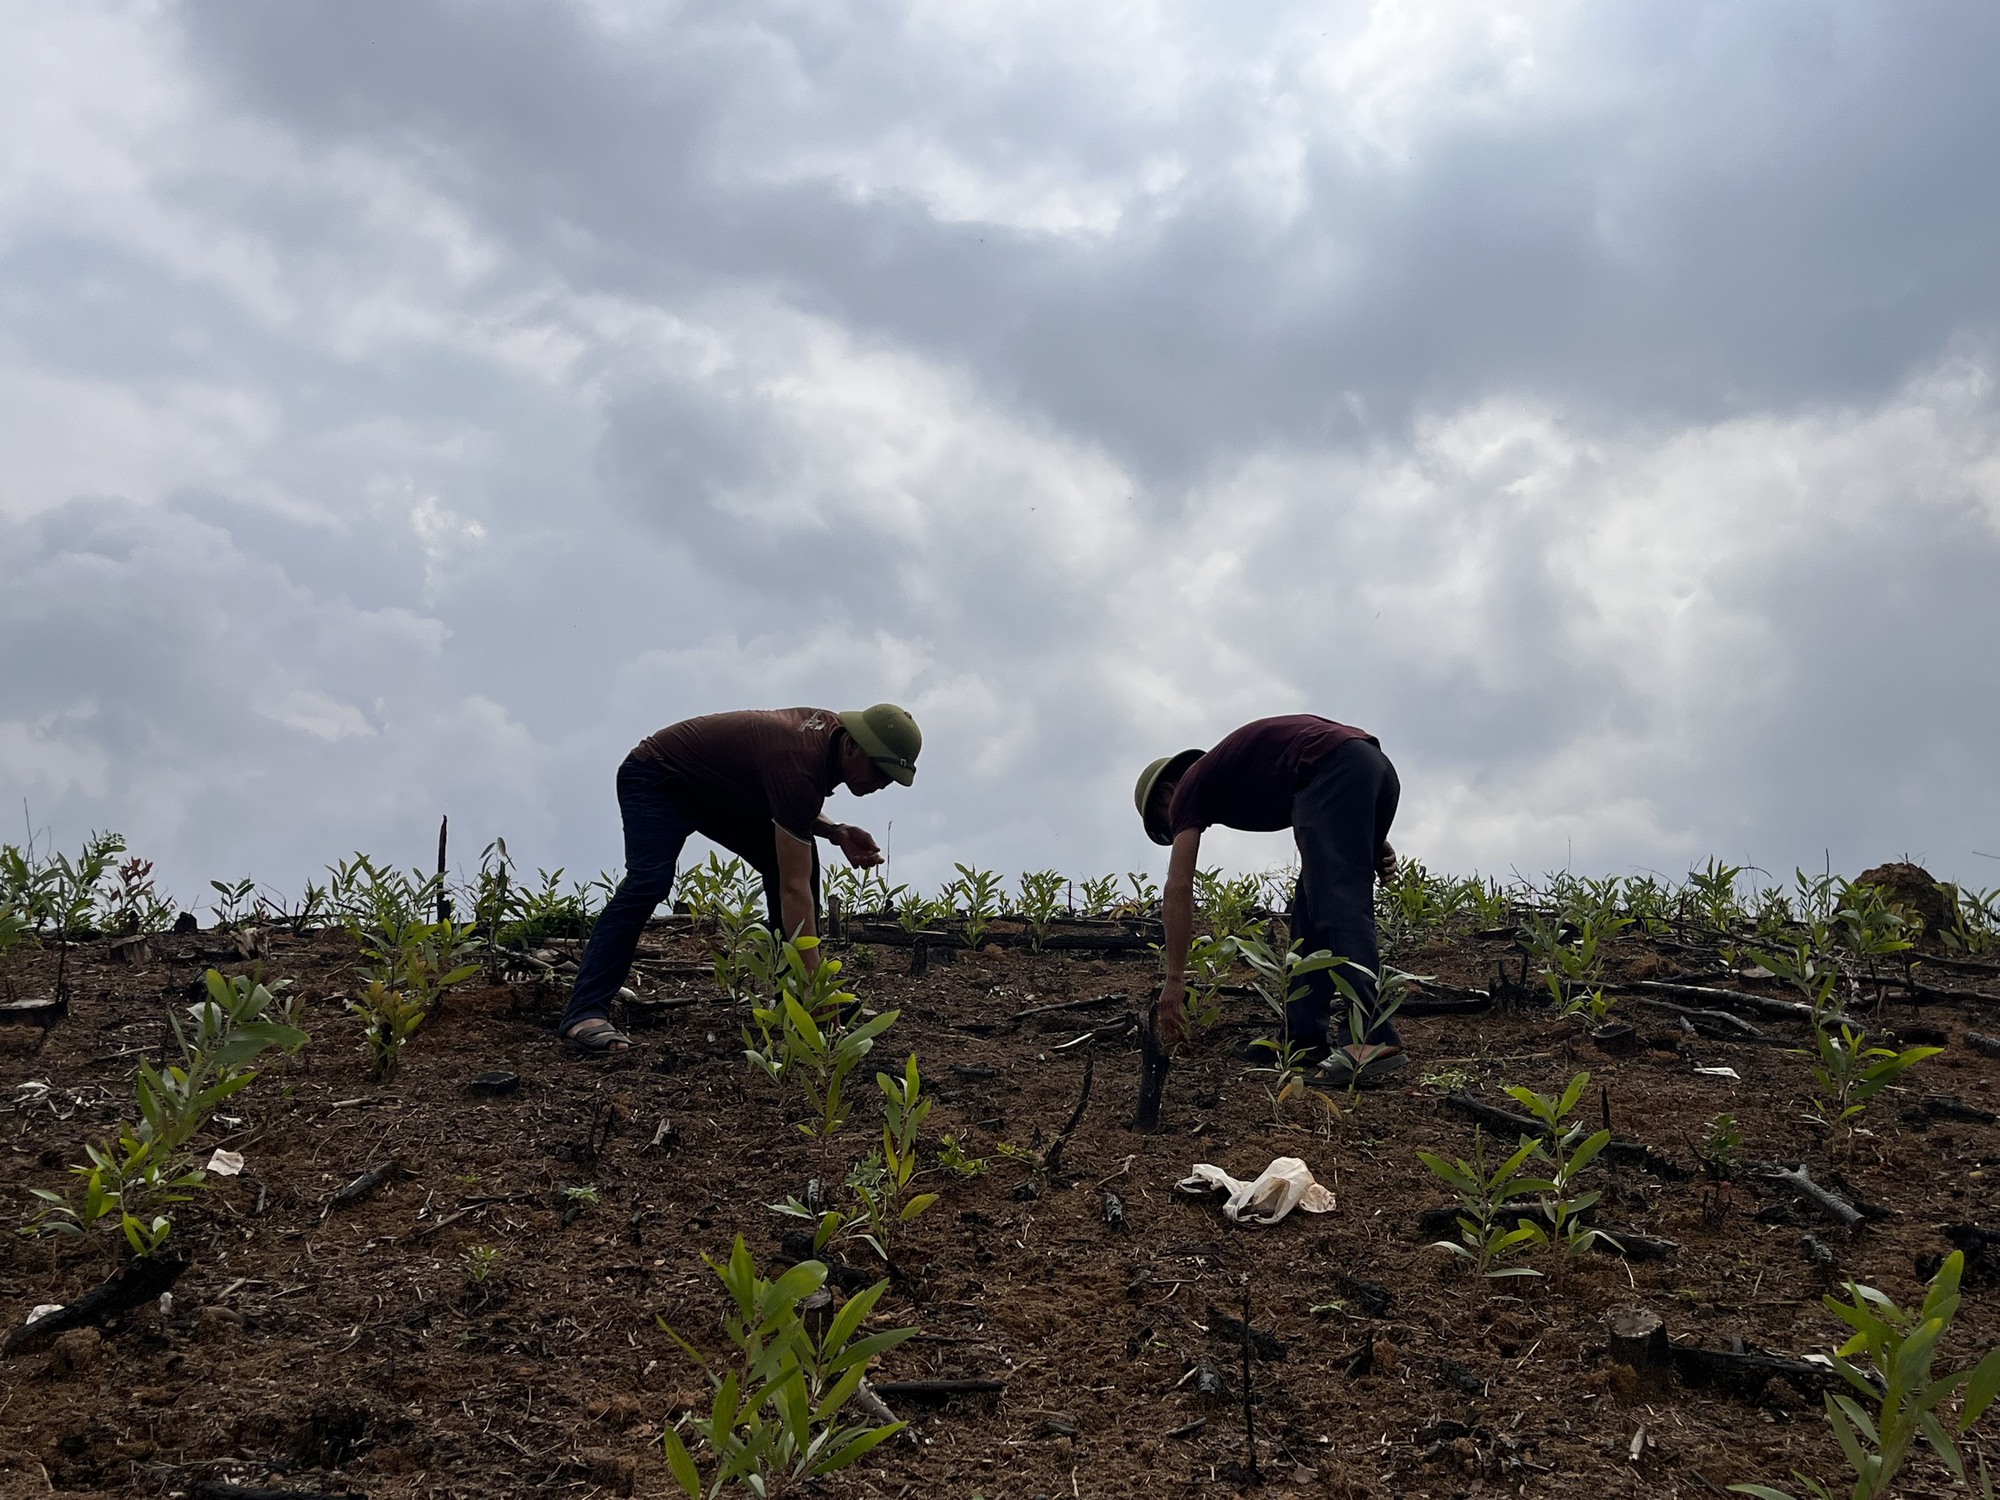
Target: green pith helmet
{"type": "Point", "coordinates": [888, 736]}
{"type": "Point", "coordinates": [1171, 767]}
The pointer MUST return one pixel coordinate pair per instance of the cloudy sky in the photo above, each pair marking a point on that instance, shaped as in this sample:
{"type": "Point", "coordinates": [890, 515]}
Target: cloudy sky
{"type": "Point", "coordinates": [406, 405]}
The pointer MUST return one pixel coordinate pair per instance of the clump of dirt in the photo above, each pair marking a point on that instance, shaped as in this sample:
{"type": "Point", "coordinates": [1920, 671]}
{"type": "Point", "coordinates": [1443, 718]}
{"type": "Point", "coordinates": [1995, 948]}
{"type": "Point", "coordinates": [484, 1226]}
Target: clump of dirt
{"type": "Point", "coordinates": [1915, 891]}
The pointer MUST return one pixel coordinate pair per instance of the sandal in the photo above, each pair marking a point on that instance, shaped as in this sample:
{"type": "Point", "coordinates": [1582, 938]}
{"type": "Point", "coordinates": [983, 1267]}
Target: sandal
{"type": "Point", "coordinates": [599, 1040]}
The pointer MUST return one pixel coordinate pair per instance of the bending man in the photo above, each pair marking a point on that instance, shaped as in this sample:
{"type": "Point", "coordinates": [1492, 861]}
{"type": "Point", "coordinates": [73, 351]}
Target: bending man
{"type": "Point", "coordinates": [754, 782]}
{"type": "Point", "coordinates": [1335, 789]}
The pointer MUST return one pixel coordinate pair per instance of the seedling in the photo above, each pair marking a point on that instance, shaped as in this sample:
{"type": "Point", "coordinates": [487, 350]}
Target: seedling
{"type": "Point", "coordinates": [708, 888]}
{"type": "Point", "coordinates": [955, 1159]}
{"type": "Point", "coordinates": [1569, 1152]}
{"type": "Point", "coordinates": [1208, 963]}
{"type": "Point", "coordinates": [1099, 896]}
{"type": "Point", "coordinates": [1363, 1019]}
{"type": "Point", "coordinates": [1418, 901]}
{"type": "Point", "coordinates": [776, 1413]}
{"type": "Point", "coordinates": [1975, 919]}
{"type": "Point", "coordinates": [978, 894]}
{"type": "Point", "coordinates": [1800, 966]}
{"type": "Point", "coordinates": [881, 1182]}
{"type": "Point", "coordinates": [804, 1037]}
{"type": "Point", "coordinates": [1872, 929]}
{"type": "Point", "coordinates": [1847, 1073]}
{"type": "Point", "coordinates": [746, 951]}
{"type": "Point", "coordinates": [147, 1167]}
{"type": "Point", "coordinates": [1280, 978]}
{"type": "Point", "coordinates": [482, 1264]}
{"type": "Point", "coordinates": [1145, 894]}
{"type": "Point", "coordinates": [1712, 890]}
{"type": "Point", "coordinates": [1721, 1138]}
{"type": "Point", "coordinates": [1485, 1238]}
{"type": "Point", "coordinates": [235, 900]}
{"type": "Point", "coordinates": [857, 890]}
{"type": "Point", "coordinates": [1887, 1364]}
{"type": "Point", "coordinates": [411, 964]}
{"type": "Point", "coordinates": [1572, 965]}
{"type": "Point", "coordinates": [389, 1018]}
{"type": "Point", "coordinates": [1041, 902]}
{"type": "Point", "coordinates": [134, 905]}
{"type": "Point", "coordinates": [1228, 903]}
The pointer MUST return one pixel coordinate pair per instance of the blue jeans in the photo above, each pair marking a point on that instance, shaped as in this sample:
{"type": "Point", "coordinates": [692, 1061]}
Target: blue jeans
{"type": "Point", "coordinates": [655, 831]}
{"type": "Point", "coordinates": [1339, 819]}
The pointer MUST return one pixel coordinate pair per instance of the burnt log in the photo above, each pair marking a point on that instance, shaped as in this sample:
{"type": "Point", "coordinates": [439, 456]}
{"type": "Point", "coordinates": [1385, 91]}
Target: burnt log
{"type": "Point", "coordinates": [936, 1390]}
{"type": "Point", "coordinates": [136, 1283]}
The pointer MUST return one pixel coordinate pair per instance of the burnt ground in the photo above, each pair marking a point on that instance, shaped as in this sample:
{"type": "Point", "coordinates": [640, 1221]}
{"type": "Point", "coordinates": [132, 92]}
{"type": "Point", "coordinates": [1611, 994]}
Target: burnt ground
{"type": "Point", "coordinates": [348, 1352]}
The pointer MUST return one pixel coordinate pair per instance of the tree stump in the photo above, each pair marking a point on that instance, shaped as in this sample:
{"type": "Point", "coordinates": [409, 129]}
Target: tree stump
{"type": "Point", "coordinates": [1639, 1340]}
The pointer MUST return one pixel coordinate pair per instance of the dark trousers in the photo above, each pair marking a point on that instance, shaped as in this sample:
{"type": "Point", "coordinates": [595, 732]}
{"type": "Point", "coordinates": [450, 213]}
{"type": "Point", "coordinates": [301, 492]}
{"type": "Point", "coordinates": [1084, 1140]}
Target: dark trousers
{"type": "Point", "coordinates": [656, 829]}
{"type": "Point", "coordinates": [1340, 819]}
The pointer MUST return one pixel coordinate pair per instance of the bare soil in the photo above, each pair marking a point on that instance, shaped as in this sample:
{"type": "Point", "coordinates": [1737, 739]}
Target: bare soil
{"type": "Point", "coordinates": [346, 1350]}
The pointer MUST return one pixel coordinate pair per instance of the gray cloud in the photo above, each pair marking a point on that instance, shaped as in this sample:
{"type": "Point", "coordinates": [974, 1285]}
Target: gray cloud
{"type": "Point", "coordinates": [413, 404]}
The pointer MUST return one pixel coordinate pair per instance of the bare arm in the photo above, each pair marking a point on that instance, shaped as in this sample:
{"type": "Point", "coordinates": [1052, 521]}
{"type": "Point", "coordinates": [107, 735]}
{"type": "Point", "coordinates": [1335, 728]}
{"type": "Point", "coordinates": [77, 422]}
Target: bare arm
{"type": "Point", "coordinates": [858, 844]}
{"type": "Point", "coordinates": [795, 901]}
{"type": "Point", "coordinates": [1177, 915]}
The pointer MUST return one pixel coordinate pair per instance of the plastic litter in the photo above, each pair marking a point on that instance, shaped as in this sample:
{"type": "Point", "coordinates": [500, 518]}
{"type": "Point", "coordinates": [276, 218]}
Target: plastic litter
{"type": "Point", "coordinates": [226, 1163]}
{"type": "Point", "coordinates": [1281, 1187]}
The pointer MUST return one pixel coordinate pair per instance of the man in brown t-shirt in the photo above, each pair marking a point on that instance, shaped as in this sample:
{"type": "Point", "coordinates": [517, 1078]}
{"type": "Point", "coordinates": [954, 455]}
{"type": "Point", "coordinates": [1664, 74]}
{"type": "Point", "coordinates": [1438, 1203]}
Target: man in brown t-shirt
{"type": "Point", "coordinates": [1335, 789]}
{"type": "Point", "coordinates": [755, 783]}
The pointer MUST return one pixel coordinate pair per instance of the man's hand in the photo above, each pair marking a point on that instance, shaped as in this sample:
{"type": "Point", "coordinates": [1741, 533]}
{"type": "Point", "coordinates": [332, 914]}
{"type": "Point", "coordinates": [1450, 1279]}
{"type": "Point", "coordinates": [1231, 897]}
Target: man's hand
{"type": "Point", "coordinates": [1170, 1014]}
{"type": "Point", "coordinates": [1385, 864]}
{"type": "Point", "coordinates": [858, 844]}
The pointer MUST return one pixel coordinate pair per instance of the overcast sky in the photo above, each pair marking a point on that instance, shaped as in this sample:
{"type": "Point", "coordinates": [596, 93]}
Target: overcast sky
{"type": "Point", "coordinates": [406, 406]}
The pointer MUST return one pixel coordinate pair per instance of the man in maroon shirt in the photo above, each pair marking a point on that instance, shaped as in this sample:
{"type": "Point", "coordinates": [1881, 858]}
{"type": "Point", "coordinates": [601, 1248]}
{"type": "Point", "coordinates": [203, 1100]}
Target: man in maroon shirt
{"type": "Point", "coordinates": [754, 782]}
{"type": "Point", "coordinates": [1335, 789]}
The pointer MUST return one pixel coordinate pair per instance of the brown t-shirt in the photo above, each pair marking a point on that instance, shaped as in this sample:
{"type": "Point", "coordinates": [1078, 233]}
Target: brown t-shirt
{"type": "Point", "coordinates": [1247, 781]}
{"type": "Point", "coordinates": [754, 767]}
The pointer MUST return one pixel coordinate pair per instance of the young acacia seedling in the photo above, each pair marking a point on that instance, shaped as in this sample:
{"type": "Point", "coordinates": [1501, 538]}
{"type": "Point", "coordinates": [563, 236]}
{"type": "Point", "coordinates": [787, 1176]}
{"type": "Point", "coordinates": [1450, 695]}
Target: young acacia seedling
{"type": "Point", "coordinates": [1569, 1151]}
{"type": "Point", "coordinates": [778, 1413]}
{"type": "Point", "coordinates": [1896, 1399]}
{"type": "Point", "coordinates": [1041, 902]}
{"type": "Point", "coordinates": [977, 893]}
{"type": "Point", "coordinates": [1098, 896]}
{"type": "Point", "coordinates": [134, 1178]}
{"type": "Point", "coordinates": [1486, 1238]}
{"type": "Point", "coordinates": [1848, 1073]}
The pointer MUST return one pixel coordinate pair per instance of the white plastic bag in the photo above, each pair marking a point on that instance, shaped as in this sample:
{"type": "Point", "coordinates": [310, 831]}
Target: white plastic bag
{"type": "Point", "coordinates": [1281, 1187]}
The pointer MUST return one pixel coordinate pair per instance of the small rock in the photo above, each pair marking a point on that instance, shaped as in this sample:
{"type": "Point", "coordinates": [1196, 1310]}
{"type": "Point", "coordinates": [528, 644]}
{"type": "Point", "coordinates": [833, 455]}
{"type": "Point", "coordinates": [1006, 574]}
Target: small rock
{"type": "Point", "coordinates": [76, 1350]}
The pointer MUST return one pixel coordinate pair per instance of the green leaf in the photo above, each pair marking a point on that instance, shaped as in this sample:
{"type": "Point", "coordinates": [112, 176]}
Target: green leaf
{"type": "Point", "coordinates": [1941, 1444]}
{"type": "Point", "coordinates": [840, 1458]}
{"type": "Point", "coordinates": [681, 1464]}
{"type": "Point", "coordinates": [1573, 1093]}
{"type": "Point", "coordinates": [1846, 1417]}
{"type": "Point", "coordinates": [1980, 1388]}
{"type": "Point", "coordinates": [850, 1317]}
{"type": "Point", "coordinates": [1587, 1152]}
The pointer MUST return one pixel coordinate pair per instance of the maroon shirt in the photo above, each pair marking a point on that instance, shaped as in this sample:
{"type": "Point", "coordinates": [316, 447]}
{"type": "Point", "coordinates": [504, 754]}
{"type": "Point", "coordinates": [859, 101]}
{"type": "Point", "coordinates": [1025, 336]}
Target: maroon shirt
{"type": "Point", "coordinates": [752, 768]}
{"type": "Point", "coordinates": [1248, 779]}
